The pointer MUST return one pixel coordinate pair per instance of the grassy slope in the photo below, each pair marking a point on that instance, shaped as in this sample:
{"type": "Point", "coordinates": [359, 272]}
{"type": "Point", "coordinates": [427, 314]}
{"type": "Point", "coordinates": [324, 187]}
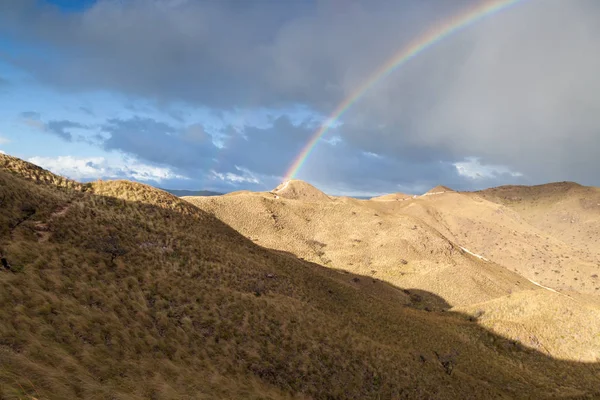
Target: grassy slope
{"type": "Point", "coordinates": [565, 210]}
{"type": "Point", "coordinates": [416, 244]}
{"type": "Point", "coordinates": [351, 235]}
{"type": "Point", "coordinates": [507, 236]}
{"type": "Point", "coordinates": [124, 291]}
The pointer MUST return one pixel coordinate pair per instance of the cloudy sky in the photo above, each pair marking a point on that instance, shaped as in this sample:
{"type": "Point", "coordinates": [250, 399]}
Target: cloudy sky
{"type": "Point", "coordinates": [223, 95]}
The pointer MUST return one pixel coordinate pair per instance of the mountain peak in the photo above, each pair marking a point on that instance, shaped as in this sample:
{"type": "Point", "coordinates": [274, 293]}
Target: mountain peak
{"type": "Point", "coordinates": [439, 189]}
{"type": "Point", "coordinates": [299, 190]}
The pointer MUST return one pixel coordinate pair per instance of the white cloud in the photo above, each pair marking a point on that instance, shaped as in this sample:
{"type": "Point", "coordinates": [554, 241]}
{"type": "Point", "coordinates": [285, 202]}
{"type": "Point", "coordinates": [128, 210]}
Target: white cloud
{"type": "Point", "coordinates": [371, 154]}
{"type": "Point", "coordinates": [473, 169]}
{"type": "Point", "coordinates": [4, 140]}
{"type": "Point", "coordinates": [2, 152]}
{"type": "Point", "coordinates": [86, 168]}
{"type": "Point", "coordinates": [334, 140]}
{"type": "Point", "coordinates": [246, 176]}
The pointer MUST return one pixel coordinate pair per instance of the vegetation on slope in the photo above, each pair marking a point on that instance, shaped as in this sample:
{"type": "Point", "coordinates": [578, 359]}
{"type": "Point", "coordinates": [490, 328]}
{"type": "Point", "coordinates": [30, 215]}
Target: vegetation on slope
{"type": "Point", "coordinates": [119, 290]}
{"type": "Point", "coordinates": [426, 243]}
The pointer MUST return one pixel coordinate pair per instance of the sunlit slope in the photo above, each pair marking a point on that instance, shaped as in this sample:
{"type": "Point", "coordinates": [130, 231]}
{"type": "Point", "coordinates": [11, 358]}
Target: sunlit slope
{"type": "Point", "coordinates": [130, 292]}
{"type": "Point", "coordinates": [459, 246]}
{"type": "Point", "coordinates": [353, 236]}
{"type": "Point", "coordinates": [504, 235]}
{"type": "Point", "coordinates": [392, 197]}
{"type": "Point", "coordinates": [566, 210]}
{"type": "Point", "coordinates": [299, 190]}
{"type": "Point", "coordinates": [123, 291]}
{"type": "Point", "coordinates": [553, 323]}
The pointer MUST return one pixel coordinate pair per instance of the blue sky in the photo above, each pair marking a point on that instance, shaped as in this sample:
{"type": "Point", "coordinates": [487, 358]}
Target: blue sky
{"type": "Point", "coordinates": [224, 95]}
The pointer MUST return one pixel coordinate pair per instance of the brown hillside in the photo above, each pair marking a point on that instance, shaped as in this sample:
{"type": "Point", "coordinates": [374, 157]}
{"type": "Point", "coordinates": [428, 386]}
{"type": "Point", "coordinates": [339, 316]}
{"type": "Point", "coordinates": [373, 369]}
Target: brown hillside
{"type": "Point", "coordinates": [392, 197]}
{"type": "Point", "coordinates": [299, 190]}
{"type": "Point", "coordinates": [419, 243]}
{"type": "Point", "coordinates": [354, 237]}
{"type": "Point", "coordinates": [566, 210]}
{"type": "Point", "coordinates": [505, 236]}
{"type": "Point", "coordinates": [439, 189]}
{"type": "Point", "coordinates": [105, 294]}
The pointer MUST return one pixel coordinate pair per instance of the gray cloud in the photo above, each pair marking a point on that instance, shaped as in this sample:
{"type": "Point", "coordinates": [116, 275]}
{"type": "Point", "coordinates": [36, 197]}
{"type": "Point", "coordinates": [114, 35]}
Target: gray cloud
{"type": "Point", "coordinates": [86, 110]}
{"type": "Point", "coordinates": [220, 54]}
{"type": "Point", "coordinates": [62, 128]}
{"type": "Point", "coordinates": [518, 89]}
{"type": "Point", "coordinates": [523, 95]}
{"type": "Point", "coordinates": [30, 115]}
{"type": "Point", "coordinates": [258, 158]}
{"type": "Point", "coordinates": [191, 149]}
{"type": "Point", "coordinates": [268, 150]}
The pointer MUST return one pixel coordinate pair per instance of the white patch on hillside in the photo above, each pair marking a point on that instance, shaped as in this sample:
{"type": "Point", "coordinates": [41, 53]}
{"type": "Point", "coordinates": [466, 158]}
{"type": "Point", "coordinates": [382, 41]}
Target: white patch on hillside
{"type": "Point", "coordinates": [473, 254]}
{"type": "Point", "coordinates": [282, 186]}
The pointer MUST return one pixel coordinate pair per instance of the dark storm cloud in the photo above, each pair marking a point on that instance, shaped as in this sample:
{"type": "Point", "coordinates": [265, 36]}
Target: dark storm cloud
{"type": "Point", "coordinates": [62, 128]}
{"type": "Point", "coordinates": [265, 151]}
{"type": "Point", "coordinates": [161, 143]}
{"type": "Point", "coordinates": [269, 150]}
{"type": "Point", "coordinates": [518, 89]}
{"type": "Point", "coordinates": [221, 54]}
{"type": "Point", "coordinates": [347, 169]}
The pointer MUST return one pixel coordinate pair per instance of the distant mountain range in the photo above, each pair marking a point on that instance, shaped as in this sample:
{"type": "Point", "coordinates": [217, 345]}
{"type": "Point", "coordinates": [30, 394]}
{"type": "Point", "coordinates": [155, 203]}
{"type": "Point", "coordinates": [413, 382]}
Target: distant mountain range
{"type": "Point", "coordinates": [182, 193]}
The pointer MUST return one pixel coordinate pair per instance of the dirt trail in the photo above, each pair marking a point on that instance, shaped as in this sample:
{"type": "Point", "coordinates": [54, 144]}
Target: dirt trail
{"type": "Point", "coordinates": [42, 228]}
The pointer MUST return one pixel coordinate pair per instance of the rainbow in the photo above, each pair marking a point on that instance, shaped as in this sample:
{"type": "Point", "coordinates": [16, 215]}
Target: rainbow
{"type": "Point", "coordinates": [419, 45]}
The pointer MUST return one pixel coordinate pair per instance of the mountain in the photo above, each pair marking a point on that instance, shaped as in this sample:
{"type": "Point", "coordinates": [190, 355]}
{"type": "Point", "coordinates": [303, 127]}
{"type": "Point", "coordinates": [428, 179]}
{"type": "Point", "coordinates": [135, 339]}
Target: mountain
{"type": "Point", "coordinates": [115, 289]}
{"type": "Point", "coordinates": [439, 189]}
{"type": "Point", "coordinates": [467, 250]}
{"type": "Point", "coordinates": [392, 197]}
{"type": "Point", "coordinates": [299, 190]}
{"type": "Point", "coordinates": [183, 193]}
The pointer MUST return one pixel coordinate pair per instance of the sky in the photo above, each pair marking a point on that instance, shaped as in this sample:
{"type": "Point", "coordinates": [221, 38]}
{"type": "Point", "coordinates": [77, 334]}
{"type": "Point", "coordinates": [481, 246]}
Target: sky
{"type": "Point", "coordinates": [224, 95]}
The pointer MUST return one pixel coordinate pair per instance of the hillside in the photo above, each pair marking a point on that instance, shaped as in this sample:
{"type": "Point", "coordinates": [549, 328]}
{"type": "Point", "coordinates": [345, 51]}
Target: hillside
{"type": "Point", "coordinates": [457, 246]}
{"type": "Point", "coordinates": [392, 197]}
{"type": "Point", "coordinates": [566, 210]}
{"type": "Point", "coordinates": [299, 190]}
{"type": "Point", "coordinates": [119, 290]}
{"type": "Point", "coordinates": [522, 239]}
{"type": "Point", "coordinates": [348, 234]}
{"type": "Point", "coordinates": [439, 189]}
{"type": "Point", "coordinates": [181, 193]}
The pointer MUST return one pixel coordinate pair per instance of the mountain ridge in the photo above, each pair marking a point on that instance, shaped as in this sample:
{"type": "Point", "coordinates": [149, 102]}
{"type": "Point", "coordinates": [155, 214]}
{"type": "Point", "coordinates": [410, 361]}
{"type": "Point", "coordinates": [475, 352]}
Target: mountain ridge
{"type": "Point", "coordinates": [115, 289]}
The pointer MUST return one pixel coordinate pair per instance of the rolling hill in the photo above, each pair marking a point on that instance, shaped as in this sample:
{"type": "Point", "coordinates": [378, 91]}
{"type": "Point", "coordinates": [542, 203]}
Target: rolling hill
{"type": "Point", "coordinates": [181, 193]}
{"type": "Point", "coordinates": [117, 290]}
{"type": "Point", "coordinates": [474, 253]}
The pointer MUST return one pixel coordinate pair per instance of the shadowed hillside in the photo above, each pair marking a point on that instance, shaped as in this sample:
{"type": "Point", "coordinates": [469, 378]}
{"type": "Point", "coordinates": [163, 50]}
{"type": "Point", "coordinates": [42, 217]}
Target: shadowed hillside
{"type": "Point", "coordinates": [119, 290]}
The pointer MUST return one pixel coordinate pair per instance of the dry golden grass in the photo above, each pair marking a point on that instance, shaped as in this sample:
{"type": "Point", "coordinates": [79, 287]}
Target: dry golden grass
{"type": "Point", "coordinates": [122, 291]}
{"type": "Point", "coordinates": [367, 238]}
{"type": "Point", "coordinates": [392, 197]}
{"type": "Point", "coordinates": [299, 190]}
{"type": "Point", "coordinates": [416, 243]}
